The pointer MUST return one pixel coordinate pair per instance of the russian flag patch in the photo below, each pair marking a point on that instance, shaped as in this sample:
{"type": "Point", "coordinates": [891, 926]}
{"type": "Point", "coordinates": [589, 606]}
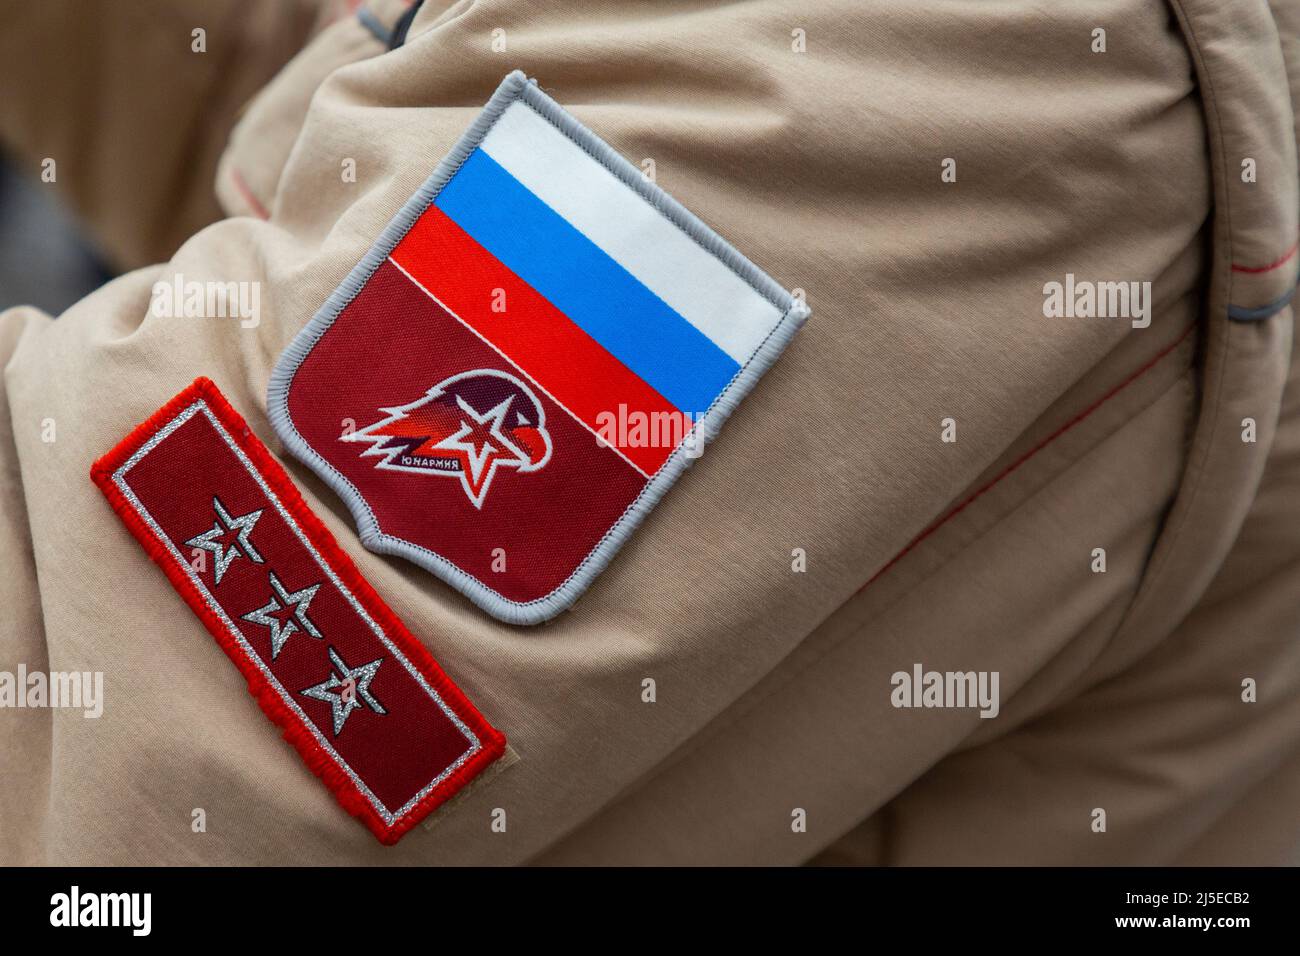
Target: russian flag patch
{"type": "Point", "coordinates": [526, 360]}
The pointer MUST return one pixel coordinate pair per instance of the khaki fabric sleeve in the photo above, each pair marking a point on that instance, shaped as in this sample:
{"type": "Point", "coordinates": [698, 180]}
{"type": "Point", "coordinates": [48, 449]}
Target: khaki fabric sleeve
{"type": "Point", "coordinates": [815, 140]}
{"type": "Point", "coordinates": [134, 108]}
{"type": "Point", "coordinates": [1187, 743]}
{"type": "Point", "coordinates": [24, 734]}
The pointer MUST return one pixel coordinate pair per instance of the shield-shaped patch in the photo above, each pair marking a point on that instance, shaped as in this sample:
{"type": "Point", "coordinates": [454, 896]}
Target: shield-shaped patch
{"type": "Point", "coordinates": [525, 360]}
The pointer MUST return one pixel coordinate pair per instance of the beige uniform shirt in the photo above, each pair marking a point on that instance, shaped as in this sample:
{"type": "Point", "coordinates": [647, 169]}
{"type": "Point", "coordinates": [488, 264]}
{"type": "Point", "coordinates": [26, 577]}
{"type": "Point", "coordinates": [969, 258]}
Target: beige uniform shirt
{"type": "Point", "coordinates": [924, 478]}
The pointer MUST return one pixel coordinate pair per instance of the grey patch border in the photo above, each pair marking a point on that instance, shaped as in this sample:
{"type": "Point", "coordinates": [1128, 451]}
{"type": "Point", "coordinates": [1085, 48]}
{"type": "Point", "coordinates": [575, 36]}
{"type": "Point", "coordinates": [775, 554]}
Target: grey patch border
{"type": "Point", "coordinates": [517, 86]}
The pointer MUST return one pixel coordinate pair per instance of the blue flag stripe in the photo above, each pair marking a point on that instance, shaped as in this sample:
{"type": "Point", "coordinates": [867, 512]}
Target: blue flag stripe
{"type": "Point", "coordinates": [582, 281]}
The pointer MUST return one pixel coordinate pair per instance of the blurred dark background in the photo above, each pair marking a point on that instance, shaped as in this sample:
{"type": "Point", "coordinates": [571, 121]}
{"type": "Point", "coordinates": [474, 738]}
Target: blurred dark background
{"type": "Point", "coordinates": [46, 259]}
{"type": "Point", "coordinates": [132, 103]}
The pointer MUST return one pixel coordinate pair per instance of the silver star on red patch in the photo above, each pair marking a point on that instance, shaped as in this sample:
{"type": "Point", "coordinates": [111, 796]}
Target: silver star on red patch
{"type": "Point", "coordinates": [346, 688]}
{"type": "Point", "coordinates": [285, 614]}
{"type": "Point", "coordinates": [221, 530]}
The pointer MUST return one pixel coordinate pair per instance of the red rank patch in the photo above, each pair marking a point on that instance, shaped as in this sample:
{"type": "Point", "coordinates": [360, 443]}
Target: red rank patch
{"type": "Point", "coordinates": [364, 703]}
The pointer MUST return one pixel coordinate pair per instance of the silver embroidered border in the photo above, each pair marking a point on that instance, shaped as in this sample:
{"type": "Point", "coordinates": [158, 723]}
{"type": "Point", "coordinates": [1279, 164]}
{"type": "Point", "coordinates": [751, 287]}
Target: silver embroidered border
{"type": "Point", "coordinates": [119, 479]}
{"type": "Point", "coordinates": [517, 86]}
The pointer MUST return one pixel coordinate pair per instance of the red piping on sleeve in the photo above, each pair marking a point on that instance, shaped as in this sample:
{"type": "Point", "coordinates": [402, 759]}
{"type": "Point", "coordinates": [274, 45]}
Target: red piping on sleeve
{"type": "Point", "coordinates": [1255, 270]}
{"type": "Point", "coordinates": [1006, 472]}
{"type": "Point", "coordinates": [253, 202]}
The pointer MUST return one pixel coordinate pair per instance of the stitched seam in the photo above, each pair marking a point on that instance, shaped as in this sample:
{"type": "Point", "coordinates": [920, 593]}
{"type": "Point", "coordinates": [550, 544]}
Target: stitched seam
{"type": "Point", "coordinates": [1023, 459]}
{"type": "Point", "coordinates": [1195, 469]}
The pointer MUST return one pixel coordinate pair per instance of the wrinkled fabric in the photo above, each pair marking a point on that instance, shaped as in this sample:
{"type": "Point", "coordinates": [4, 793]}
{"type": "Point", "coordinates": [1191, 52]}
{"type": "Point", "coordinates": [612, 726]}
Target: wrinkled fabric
{"type": "Point", "coordinates": [815, 141]}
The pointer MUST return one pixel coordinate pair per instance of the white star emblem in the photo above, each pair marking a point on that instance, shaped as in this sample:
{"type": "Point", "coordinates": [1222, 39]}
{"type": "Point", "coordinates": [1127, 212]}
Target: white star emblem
{"type": "Point", "coordinates": [282, 625]}
{"type": "Point", "coordinates": [443, 433]}
{"type": "Point", "coordinates": [221, 528]}
{"type": "Point", "coordinates": [486, 448]}
{"type": "Point", "coordinates": [346, 688]}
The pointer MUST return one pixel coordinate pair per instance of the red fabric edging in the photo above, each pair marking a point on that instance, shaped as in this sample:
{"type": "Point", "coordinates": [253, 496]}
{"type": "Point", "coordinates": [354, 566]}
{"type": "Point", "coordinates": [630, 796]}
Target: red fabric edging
{"type": "Point", "coordinates": [254, 203]}
{"type": "Point", "coordinates": [987, 486]}
{"type": "Point", "coordinates": [1276, 263]}
{"type": "Point", "coordinates": [295, 729]}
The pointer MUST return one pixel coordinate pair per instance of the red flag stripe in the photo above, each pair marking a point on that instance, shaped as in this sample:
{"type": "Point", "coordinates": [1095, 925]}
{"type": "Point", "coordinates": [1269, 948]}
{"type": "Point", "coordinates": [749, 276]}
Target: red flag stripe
{"type": "Point", "coordinates": [549, 347]}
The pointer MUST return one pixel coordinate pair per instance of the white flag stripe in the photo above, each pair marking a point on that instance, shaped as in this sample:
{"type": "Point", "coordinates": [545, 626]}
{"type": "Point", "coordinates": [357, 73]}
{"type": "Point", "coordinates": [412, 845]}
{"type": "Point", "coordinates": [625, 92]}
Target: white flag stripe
{"type": "Point", "coordinates": [663, 258]}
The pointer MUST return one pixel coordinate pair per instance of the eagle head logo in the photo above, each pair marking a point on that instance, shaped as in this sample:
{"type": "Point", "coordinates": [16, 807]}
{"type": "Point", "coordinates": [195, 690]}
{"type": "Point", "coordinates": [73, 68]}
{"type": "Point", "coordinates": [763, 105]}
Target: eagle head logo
{"type": "Point", "coordinates": [466, 427]}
